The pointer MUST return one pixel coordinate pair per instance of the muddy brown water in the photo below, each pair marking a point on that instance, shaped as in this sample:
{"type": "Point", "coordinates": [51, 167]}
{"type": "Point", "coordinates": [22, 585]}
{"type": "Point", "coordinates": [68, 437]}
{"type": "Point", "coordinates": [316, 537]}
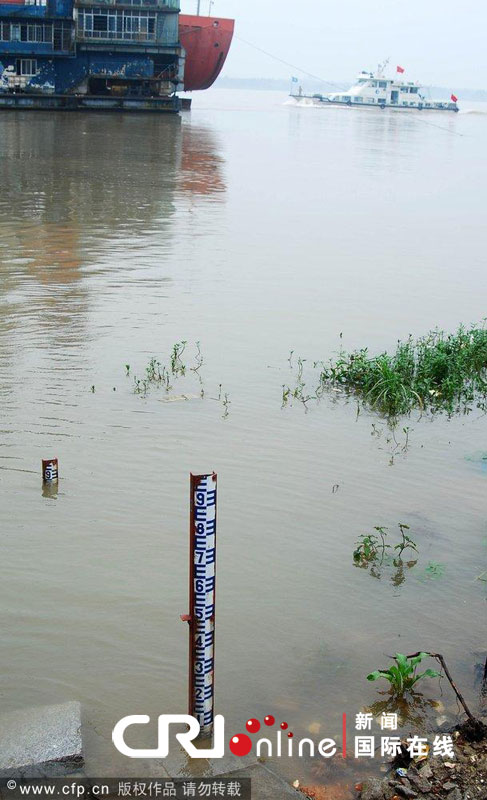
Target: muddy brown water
{"type": "Point", "coordinates": [254, 228]}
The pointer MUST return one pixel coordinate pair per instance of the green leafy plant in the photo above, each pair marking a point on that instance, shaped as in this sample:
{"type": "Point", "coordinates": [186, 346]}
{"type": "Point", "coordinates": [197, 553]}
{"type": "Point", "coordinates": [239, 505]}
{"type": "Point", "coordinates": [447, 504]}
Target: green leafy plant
{"type": "Point", "coordinates": [198, 359]}
{"type": "Point", "coordinates": [403, 545]}
{"type": "Point", "coordinates": [403, 675]}
{"type": "Point", "coordinates": [177, 366]}
{"type": "Point", "coordinates": [371, 547]}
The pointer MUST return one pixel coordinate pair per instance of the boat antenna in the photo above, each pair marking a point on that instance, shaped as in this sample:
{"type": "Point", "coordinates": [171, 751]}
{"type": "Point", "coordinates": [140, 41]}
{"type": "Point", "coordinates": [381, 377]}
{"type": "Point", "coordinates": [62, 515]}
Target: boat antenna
{"type": "Point", "coordinates": [381, 67]}
{"type": "Point", "coordinates": [198, 4]}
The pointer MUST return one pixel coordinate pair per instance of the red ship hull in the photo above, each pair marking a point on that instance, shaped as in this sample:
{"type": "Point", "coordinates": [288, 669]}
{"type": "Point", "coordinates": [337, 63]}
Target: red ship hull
{"type": "Point", "coordinates": [206, 41]}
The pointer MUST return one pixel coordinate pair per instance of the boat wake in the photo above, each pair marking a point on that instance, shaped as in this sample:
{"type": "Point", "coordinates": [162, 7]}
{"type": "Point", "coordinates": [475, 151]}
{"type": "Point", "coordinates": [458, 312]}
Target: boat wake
{"type": "Point", "coordinates": [303, 102]}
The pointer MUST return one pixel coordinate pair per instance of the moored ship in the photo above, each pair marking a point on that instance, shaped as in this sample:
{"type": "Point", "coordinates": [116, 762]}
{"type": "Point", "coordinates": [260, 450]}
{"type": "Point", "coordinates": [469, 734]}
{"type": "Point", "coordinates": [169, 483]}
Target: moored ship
{"type": "Point", "coordinates": [374, 90]}
{"type": "Point", "coordinates": [206, 42]}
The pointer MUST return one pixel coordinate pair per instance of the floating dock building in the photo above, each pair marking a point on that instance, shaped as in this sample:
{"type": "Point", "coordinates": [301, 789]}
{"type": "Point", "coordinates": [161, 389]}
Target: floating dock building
{"type": "Point", "coordinates": [81, 54]}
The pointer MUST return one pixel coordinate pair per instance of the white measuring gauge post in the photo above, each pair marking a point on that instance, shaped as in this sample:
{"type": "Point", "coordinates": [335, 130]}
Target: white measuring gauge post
{"type": "Point", "coordinates": [201, 616]}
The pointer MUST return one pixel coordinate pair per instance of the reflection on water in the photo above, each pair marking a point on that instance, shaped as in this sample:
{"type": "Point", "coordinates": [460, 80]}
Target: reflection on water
{"type": "Point", "coordinates": [74, 190]}
{"type": "Point", "coordinates": [254, 229]}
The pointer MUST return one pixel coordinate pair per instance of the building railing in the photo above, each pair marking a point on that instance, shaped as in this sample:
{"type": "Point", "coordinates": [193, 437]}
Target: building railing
{"type": "Point", "coordinates": [167, 5]}
{"type": "Point", "coordinates": [122, 36]}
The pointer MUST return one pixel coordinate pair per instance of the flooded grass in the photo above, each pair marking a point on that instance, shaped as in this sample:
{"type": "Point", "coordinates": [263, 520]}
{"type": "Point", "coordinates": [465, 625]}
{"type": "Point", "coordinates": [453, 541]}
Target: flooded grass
{"type": "Point", "coordinates": [439, 372]}
{"type": "Point", "coordinates": [161, 375]}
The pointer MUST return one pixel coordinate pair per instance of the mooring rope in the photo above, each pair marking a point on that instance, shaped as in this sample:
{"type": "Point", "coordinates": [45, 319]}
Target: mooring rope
{"type": "Point", "coordinates": [288, 64]}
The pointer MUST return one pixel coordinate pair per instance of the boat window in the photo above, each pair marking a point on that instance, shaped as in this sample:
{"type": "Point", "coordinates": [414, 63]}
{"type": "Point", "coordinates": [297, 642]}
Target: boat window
{"type": "Point", "coordinates": [358, 99]}
{"type": "Point", "coordinates": [414, 90]}
{"type": "Point", "coordinates": [361, 81]}
{"type": "Point", "coordinates": [404, 88]}
{"type": "Point", "coordinates": [371, 100]}
{"type": "Point", "coordinates": [381, 99]}
{"type": "Point", "coordinates": [383, 84]}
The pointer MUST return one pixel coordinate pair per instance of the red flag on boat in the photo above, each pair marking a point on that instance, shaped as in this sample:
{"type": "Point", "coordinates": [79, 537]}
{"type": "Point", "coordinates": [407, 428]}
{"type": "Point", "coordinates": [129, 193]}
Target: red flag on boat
{"type": "Point", "coordinates": [454, 98]}
{"type": "Point", "coordinates": [400, 69]}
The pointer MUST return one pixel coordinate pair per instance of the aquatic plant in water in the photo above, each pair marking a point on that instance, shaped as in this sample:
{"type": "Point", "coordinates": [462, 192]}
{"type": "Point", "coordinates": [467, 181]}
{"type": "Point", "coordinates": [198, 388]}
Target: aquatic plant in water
{"type": "Point", "coordinates": [406, 543]}
{"type": "Point", "coordinates": [434, 570]}
{"type": "Point", "coordinates": [158, 374]}
{"type": "Point", "coordinates": [372, 548]}
{"type": "Point", "coordinates": [403, 675]}
{"type": "Point", "coordinates": [438, 372]}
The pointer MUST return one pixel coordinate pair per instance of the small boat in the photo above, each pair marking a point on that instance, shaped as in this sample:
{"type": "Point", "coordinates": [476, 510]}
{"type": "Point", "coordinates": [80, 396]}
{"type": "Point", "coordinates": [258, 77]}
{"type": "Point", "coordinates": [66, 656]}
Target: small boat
{"type": "Point", "coordinates": [374, 90]}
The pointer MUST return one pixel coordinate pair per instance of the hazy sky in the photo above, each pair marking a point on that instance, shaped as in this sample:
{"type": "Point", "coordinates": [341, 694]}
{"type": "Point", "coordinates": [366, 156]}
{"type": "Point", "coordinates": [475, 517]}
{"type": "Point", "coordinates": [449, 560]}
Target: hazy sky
{"type": "Point", "coordinates": [440, 42]}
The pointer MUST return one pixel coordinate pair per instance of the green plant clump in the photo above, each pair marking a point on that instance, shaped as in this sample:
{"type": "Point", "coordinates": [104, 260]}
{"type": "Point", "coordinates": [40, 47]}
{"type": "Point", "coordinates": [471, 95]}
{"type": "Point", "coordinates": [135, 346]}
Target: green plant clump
{"type": "Point", "coordinates": [403, 675]}
{"type": "Point", "coordinates": [371, 548]}
{"type": "Point", "coordinates": [438, 372]}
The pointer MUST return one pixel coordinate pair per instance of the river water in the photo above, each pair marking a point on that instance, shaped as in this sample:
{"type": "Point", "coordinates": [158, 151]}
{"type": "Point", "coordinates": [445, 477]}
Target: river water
{"type": "Point", "coordinates": [254, 228]}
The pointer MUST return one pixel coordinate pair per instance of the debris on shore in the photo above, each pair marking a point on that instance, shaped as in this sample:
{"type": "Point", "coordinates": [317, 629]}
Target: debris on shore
{"type": "Point", "coordinates": [461, 778]}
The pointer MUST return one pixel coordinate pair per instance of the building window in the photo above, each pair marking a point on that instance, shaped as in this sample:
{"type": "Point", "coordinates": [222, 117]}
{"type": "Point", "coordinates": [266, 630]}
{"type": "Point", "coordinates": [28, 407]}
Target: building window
{"type": "Point", "coordinates": [101, 23]}
{"type": "Point", "coordinates": [16, 32]}
{"type": "Point", "coordinates": [26, 66]}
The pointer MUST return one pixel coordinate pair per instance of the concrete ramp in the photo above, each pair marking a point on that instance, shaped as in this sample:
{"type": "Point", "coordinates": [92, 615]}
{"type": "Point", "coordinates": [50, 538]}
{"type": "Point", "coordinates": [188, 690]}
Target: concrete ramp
{"type": "Point", "coordinates": [40, 742]}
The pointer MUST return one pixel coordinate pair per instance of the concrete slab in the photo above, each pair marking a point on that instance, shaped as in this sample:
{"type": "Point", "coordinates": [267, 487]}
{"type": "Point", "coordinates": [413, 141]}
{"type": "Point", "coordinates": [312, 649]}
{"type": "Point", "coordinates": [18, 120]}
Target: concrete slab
{"type": "Point", "coordinates": [179, 765]}
{"type": "Point", "coordinates": [40, 742]}
{"type": "Point", "coordinates": [266, 784]}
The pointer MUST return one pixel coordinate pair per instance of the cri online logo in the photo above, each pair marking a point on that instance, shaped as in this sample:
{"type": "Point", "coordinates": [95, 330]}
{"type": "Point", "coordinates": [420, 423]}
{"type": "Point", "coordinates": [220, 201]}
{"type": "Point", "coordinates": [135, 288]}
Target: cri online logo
{"type": "Point", "coordinates": [240, 744]}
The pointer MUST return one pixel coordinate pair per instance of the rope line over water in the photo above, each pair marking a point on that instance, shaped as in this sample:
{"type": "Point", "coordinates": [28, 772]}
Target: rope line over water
{"type": "Point", "coordinates": [288, 64]}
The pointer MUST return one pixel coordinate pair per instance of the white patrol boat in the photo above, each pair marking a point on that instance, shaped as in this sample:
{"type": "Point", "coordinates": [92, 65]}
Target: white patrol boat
{"type": "Point", "coordinates": [374, 90]}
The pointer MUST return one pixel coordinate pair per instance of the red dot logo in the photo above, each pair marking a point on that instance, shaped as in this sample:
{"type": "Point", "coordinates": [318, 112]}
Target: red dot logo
{"type": "Point", "coordinates": [290, 735]}
{"type": "Point", "coordinates": [283, 725]}
{"type": "Point", "coordinates": [269, 720]}
{"type": "Point", "coordinates": [240, 744]}
{"type": "Point", "coordinates": [253, 725]}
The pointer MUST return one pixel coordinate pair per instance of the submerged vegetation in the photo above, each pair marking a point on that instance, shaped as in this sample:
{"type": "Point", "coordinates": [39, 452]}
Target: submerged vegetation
{"type": "Point", "coordinates": [371, 548]}
{"type": "Point", "coordinates": [438, 372]}
{"type": "Point", "coordinates": [403, 675]}
{"type": "Point", "coordinates": [161, 375]}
